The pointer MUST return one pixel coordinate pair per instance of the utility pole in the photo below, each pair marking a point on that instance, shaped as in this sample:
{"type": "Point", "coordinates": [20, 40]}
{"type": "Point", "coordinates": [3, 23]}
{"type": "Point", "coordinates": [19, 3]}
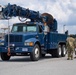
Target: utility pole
{"type": "Point", "coordinates": [64, 28]}
{"type": "Point", "coordinates": [8, 53]}
{"type": "Point", "coordinates": [8, 33]}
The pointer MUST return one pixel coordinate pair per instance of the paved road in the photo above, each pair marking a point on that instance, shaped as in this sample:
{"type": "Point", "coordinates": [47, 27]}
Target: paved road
{"type": "Point", "coordinates": [46, 66]}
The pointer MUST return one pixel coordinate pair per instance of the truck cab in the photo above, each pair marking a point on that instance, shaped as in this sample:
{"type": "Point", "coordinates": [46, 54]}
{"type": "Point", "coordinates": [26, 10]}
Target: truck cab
{"type": "Point", "coordinates": [22, 40]}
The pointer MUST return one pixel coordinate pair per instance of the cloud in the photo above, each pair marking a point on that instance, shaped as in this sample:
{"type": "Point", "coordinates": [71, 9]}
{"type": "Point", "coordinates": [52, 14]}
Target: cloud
{"type": "Point", "coordinates": [63, 11]}
{"type": "Point", "coordinates": [71, 19]}
{"type": "Point", "coordinates": [71, 29]}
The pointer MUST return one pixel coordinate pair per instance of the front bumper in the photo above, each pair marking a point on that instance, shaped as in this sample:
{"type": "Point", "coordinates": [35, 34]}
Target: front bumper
{"type": "Point", "coordinates": [17, 49]}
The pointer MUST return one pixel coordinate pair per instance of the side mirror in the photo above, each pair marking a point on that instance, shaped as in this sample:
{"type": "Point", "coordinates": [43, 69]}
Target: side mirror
{"type": "Point", "coordinates": [66, 32]}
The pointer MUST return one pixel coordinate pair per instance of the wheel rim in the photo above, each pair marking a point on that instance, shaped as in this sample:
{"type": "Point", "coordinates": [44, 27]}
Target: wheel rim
{"type": "Point", "coordinates": [59, 51]}
{"type": "Point", "coordinates": [36, 52]}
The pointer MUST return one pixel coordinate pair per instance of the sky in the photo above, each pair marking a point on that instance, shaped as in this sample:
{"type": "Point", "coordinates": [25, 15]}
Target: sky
{"type": "Point", "coordinates": [64, 11]}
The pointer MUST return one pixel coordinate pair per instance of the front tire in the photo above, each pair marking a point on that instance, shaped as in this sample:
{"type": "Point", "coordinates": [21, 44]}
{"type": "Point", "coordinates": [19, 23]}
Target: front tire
{"type": "Point", "coordinates": [35, 54]}
{"type": "Point", "coordinates": [4, 56]}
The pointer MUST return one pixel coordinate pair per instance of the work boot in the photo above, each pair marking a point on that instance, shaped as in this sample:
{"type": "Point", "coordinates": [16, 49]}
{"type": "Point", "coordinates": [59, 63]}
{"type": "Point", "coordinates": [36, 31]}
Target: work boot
{"type": "Point", "coordinates": [71, 57]}
{"type": "Point", "coordinates": [68, 58]}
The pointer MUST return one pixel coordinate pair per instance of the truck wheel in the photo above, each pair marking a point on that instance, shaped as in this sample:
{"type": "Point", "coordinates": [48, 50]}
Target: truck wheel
{"type": "Point", "coordinates": [35, 54]}
{"type": "Point", "coordinates": [4, 56]}
{"type": "Point", "coordinates": [63, 50]}
{"type": "Point", "coordinates": [59, 51]}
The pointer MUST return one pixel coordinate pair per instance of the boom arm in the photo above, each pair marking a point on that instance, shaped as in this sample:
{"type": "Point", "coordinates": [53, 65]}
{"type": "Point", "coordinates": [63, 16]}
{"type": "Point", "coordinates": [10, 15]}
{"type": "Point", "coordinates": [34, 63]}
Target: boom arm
{"type": "Point", "coordinates": [14, 10]}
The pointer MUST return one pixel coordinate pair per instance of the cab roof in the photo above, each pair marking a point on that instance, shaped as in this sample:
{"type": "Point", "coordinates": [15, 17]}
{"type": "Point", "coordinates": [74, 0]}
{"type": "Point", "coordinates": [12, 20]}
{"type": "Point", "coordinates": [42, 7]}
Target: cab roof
{"type": "Point", "coordinates": [37, 23]}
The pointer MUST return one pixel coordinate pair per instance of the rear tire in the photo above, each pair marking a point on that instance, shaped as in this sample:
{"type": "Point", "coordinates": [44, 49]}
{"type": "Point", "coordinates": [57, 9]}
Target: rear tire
{"type": "Point", "coordinates": [4, 56]}
{"type": "Point", "coordinates": [63, 50]}
{"type": "Point", "coordinates": [54, 53]}
{"type": "Point", "coordinates": [35, 54]}
{"type": "Point", "coordinates": [59, 51]}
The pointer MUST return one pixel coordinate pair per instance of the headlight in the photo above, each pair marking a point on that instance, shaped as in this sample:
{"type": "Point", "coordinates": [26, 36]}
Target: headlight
{"type": "Point", "coordinates": [1, 43]}
{"type": "Point", "coordinates": [28, 43]}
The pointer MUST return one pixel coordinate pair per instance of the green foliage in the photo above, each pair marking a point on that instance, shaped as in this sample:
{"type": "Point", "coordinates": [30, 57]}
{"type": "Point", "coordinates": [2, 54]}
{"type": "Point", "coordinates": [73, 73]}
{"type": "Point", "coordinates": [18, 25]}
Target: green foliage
{"type": "Point", "coordinates": [73, 35]}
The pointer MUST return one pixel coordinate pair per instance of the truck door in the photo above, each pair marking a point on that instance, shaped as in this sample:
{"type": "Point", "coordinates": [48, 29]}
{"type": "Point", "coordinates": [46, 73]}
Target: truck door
{"type": "Point", "coordinates": [40, 35]}
{"type": "Point", "coordinates": [43, 38]}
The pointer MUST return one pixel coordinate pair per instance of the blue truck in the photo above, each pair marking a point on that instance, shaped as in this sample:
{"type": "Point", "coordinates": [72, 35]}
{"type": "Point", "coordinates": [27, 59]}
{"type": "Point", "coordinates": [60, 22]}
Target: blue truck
{"type": "Point", "coordinates": [30, 37]}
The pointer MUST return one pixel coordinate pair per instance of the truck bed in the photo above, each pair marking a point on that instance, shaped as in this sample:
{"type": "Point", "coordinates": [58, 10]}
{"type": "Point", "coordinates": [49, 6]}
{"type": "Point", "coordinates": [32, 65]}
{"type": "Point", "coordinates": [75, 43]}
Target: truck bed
{"type": "Point", "coordinates": [55, 38]}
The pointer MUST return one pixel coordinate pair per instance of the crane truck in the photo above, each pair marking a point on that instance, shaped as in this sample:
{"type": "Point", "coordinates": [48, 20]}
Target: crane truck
{"type": "Point", "coordinates": [31, 37]}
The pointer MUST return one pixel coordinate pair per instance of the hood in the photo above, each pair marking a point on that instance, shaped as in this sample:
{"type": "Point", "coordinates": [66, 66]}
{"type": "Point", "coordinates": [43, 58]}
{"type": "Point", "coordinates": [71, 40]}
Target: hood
{"type": "Point", "coordinates": [19, 38]}
{"type": "Point", "coordinates": [25, 35]}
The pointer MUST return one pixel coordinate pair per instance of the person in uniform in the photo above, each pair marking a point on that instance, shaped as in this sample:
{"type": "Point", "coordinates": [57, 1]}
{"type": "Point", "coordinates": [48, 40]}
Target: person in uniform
{"type": "Point", "coordinates": [75, 47]}
{"type": "Point", "coordinates": [70, 44]}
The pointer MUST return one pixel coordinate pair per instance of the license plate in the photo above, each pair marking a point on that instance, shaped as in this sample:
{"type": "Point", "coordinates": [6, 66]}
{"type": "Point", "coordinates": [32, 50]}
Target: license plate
{"type": "Point", "coordinates": [24, 49]}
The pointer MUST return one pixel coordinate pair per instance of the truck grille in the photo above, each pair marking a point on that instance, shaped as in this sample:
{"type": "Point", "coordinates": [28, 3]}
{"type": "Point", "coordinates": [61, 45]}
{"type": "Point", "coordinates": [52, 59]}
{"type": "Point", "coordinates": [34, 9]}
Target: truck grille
{"type": "Point", "coordinates": [14, 38]}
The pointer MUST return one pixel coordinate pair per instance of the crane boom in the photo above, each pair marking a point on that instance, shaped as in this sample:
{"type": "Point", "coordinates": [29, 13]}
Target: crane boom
{"type": "Point", "coordinates": [10, 11]}
{"type": "Point", "coordinates": [14, 10]}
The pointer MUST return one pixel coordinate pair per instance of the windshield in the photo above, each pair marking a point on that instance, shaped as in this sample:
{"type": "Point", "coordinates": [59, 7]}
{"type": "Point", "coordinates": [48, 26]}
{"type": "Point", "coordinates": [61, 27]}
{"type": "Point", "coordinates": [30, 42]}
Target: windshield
{"type": "Point", "coordinates": [24, 28]}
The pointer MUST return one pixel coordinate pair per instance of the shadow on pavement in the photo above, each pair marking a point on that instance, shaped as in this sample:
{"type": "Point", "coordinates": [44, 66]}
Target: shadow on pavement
{"type": "Point", "coordinates": [26, 59]}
